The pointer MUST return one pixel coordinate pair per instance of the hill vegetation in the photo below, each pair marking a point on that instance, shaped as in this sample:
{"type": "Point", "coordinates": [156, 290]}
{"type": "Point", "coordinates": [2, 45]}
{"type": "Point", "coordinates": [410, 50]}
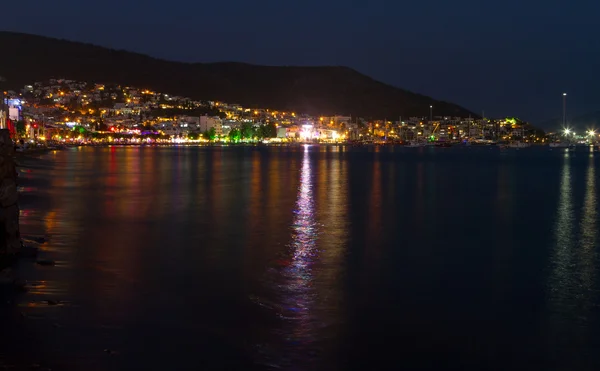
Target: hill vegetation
{"type": "Point", "coordinates": [312, 90]}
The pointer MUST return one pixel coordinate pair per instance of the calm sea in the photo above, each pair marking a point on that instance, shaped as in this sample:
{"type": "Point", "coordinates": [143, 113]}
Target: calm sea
{"type": "Point", "coordinates": [309, 258]}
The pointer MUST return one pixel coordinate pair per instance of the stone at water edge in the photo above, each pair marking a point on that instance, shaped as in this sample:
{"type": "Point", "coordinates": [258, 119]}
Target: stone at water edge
{"type": "Point", "coordinates": [40, 240]}
{"type": "Point", "coordinates": [46, 262]}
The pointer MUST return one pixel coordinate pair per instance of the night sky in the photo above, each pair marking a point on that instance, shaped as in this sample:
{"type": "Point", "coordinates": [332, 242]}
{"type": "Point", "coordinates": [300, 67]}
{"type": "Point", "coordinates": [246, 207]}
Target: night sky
{"type": "Point", "coordinates": [511, 57]}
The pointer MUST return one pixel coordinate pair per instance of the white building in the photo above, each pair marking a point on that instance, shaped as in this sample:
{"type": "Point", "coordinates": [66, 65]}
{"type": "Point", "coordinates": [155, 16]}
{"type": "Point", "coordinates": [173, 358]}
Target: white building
{"type": "Point", "coordinates": [207, 123]}
{"type": "Point", "coordinates": [173, 129]}
{"type": "Point", "coordinates": [282, 132]}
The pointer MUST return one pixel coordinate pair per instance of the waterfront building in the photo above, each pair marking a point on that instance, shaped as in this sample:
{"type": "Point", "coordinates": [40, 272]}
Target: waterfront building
{"type": "Point", "coordinates": [207, 123]}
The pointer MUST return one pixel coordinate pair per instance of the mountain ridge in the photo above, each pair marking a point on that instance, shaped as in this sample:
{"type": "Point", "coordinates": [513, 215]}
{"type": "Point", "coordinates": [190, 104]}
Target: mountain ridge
{"type": "Point", "coordinates": [587, 121]}
{"type": "Point", "coordinates": [316, 90]}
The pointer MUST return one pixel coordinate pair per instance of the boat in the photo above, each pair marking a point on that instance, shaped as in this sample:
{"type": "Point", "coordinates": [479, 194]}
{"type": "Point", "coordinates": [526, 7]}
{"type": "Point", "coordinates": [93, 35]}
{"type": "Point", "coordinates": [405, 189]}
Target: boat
{"type": "Point", "coordinates": [443, 144]}
{"type": "Point", "coordinates": [414, 144]}
{"type": "Point", "coordinates": [559, 145]}
{"type": "Point", "coordinates": [518, 144]}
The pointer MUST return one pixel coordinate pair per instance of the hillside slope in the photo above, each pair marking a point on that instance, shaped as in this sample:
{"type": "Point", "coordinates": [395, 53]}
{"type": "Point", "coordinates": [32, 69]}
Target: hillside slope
{"type": "Point", "coordinates": [313, 90]}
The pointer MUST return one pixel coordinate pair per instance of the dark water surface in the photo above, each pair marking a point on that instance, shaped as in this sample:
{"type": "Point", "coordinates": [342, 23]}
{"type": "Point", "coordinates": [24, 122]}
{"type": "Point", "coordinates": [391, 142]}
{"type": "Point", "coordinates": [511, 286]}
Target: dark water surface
{"type": "Point", "coordinates": [309, 258]}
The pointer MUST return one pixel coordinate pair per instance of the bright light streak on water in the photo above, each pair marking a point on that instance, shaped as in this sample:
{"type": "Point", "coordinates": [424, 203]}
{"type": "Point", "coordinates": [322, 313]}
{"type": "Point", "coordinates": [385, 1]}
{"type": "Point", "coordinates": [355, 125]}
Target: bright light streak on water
{"type": "Point", "coordinates": [305, 231]}
{"type": "Point", "coordinates": [561, 280]}
{"type": "Point", "coordinates": [298, 294]}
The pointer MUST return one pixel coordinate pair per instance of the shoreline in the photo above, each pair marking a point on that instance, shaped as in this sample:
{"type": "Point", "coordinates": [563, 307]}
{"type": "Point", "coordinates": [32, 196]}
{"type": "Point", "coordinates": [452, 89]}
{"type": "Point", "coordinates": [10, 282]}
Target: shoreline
{"type": "Point", "coordinates": [43, 149]}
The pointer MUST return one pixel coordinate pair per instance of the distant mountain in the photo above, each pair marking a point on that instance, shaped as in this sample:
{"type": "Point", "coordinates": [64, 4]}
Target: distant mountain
{"type": "Point", "coordinates": [313, 90]}
{"type": "Point", "coordinates": [584, 122]}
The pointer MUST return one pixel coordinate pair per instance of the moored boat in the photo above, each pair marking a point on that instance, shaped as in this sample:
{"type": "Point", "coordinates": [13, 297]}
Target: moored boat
{"type": "Point", "coordinates": [415, 143]}
{"type": "Point", "coordinates": [518, 144]}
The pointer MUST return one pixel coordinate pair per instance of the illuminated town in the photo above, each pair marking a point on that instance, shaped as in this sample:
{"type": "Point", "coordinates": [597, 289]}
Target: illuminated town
{"type": "Point", "coordinates": [67, 112]}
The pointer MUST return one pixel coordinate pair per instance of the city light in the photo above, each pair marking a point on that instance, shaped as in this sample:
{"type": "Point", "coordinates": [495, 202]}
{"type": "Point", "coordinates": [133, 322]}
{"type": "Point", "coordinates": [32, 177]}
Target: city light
{"type": "Point", "coordinates": [306, 132]}
{"type": "Point", "coordinates": [137, 118]}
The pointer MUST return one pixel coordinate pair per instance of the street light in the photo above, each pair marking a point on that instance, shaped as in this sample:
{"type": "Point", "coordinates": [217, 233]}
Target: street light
{"type": "Point", "coordinates": [3, 107]}
{"type": "Point", "coordinates": [567, 131]}
{"type": "Point", "coordinates": [431, 113]}
{"type": "Point", "coordinates": [564, 109]}
{"type": "Point", "coordinates": [591, 133]}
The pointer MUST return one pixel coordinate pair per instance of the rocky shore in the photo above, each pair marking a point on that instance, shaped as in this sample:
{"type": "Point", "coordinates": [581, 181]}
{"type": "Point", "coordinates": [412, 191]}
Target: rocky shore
{"type": "Point", "coordinates": [10, 238]}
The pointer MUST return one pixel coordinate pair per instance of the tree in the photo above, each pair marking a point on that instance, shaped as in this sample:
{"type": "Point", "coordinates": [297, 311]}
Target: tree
{"type": "Point", "coordinates": [235, 135]}
{"type": "Point", "coordinates": [193, 136]}
{"type": "Point", "coordinates": [247, 131]}
{"type": "Point", "coordinates": [46, 102]}
{"type": "Point", "coordinates": [100, 126]}
{"type": "Point", "coordinates": [20, 127]}
{"type": "Point", "coordinates": [260, 132]}
{"type": "Point", "coordinates": [270, 130]}
{"type": "Point", "coordinates": [210, 134]}
{"type": "Point", "coordinates": [73, 105]}
{"type": "Point", "coordinates": [79, 129]}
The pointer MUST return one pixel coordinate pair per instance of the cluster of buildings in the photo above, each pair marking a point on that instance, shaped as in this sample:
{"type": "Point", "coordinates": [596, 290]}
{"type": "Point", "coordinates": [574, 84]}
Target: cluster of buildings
{"type": "Point", "coordinates": [67, 109]}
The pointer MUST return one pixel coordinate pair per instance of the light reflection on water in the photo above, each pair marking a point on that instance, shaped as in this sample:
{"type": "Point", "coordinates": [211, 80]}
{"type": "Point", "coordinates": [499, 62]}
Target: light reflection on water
{"type": "Point", "coordinates": [561, 280]}
{"type": "Point", "coordinates": [304, 235]}
{"type": "Point", "coordinates": [173, 248]}
{"type": "Point", "coordinates": [589, 228]}
{"type": "Point", "coordinates": [298, 296]}
{"type": "Point", "coordinates": [572, 292]}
